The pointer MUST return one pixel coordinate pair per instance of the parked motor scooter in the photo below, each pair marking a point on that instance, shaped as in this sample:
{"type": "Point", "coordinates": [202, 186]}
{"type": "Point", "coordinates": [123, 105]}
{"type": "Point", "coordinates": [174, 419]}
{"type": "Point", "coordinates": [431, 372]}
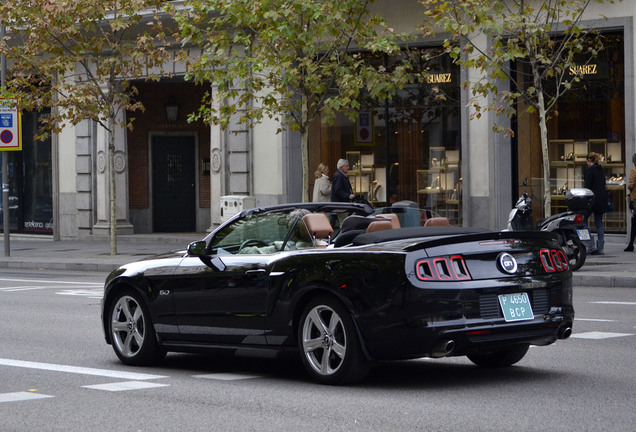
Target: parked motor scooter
{"type": "Point", "coordinates": [573, 235]}
{"type": "Point", "coordinates": [579, 201]}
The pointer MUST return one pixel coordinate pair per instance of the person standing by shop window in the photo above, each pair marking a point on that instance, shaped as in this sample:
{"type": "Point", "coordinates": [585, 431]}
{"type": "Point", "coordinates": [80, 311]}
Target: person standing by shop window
{"type": "Point", "coordinates": [595, 181]}
{"type": "Point", "coordinates": [322, 185]}
{"type": "Point", "coordinates": [341, 190]}
{"type": "Point", "coordinates": [632, 196]}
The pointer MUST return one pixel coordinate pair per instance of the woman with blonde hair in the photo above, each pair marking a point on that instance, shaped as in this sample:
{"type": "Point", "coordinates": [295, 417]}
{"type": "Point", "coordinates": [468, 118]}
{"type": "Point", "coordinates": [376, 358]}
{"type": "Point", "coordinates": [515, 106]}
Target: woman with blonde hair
{"type": "Point", "coordinates": [322, 186]}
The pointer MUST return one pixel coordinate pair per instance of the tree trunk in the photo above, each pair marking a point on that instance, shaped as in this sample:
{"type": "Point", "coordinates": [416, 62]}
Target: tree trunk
{"type": "Point", "coordinates": [113, 190]}
{"type": "Point", "coordinates": [543, 128]}
{"type": "Point", "coordinates": [304, 148]}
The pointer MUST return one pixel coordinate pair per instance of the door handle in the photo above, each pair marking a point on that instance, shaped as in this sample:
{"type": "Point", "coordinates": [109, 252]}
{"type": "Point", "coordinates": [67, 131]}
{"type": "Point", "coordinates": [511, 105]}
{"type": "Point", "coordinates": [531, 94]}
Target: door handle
{"type": "Point", "coordinates": [256, 274]}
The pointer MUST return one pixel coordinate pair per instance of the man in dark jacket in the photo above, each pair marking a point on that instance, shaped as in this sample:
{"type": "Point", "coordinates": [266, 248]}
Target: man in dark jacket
{"type": "Point", "coordinates": [595, 181]}
{"type": "Point", "coordinates": [341, 190]}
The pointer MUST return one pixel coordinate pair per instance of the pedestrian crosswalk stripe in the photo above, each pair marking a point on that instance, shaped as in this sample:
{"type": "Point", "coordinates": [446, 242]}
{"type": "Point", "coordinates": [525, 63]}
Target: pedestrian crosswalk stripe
{"type": "Point", "coordinates": [79, 370]}
{"type": "Point", "coordinates": [124, 386]}
{"type": "Point", "coordinates": [622, 303]}
{"type": "Point", "coordinates": [48, 282]}
{"type": "Point", "coordinates": [21, 396]}
{"type": "Point", "coordinates": [94, 293]}
{"type": "Point", "coordinates": [221, 376]}
{"type": "Point", "coordinates": [599, 335]}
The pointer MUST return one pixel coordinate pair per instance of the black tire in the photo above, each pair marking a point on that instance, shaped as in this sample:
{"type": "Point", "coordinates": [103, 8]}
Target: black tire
{"type": "Point", "coordinates": [498, 358]}
{"type": "Point", "coordinates": [576, 258]}
{"type": "Point", "coordinates": [329, 345]}
{"type": "Point", "coordinates": [131, 331]}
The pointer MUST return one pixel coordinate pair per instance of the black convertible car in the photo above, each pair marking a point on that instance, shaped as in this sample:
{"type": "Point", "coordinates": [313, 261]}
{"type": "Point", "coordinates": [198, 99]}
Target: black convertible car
{"type": "Point", "coordinates": [343, 287]}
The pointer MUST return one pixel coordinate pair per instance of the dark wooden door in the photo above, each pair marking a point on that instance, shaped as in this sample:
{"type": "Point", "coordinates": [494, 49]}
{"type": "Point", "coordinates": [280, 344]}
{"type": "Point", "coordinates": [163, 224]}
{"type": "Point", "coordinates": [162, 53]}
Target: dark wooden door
{"type": "Point", "coordinates": [173, 172]}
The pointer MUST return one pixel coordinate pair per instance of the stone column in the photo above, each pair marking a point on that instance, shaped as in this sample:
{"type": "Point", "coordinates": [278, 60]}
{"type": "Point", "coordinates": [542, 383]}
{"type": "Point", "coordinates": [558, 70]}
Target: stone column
{"type": "Point", "coordinates": [217, 165]}
{"type": "Point", "coordinates": [102, 227]}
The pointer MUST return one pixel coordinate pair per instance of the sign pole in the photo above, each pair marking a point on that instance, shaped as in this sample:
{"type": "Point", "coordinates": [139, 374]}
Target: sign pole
{"type": "Point", "coordinates": [5, 165]}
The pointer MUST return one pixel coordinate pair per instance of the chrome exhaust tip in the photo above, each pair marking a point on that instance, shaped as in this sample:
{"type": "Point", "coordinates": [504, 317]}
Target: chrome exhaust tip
{"type": "Point", "coordinates": [443, 349]}
{"type": "Point", "coordinates": [565, 332]}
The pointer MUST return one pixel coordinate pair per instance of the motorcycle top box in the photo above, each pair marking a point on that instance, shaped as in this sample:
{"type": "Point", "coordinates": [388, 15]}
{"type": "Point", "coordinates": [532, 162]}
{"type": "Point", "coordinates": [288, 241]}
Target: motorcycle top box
{"type": "Point", "coordinates": [579, 199]}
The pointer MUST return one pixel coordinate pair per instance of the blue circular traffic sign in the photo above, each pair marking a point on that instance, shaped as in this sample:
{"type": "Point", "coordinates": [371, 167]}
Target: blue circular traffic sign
{"type": "Point", "coordinates": [6, 136]}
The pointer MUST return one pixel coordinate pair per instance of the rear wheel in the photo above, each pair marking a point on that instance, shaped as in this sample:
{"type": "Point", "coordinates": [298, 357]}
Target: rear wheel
{"type": "Point", "coordinates": [498, 358]}
{"type": "Point", "coordinates": [131, 331]}
{"type": "Point", "coordinates": [329, 345]}
{"type": "Point", "coordinates": [576, 252]}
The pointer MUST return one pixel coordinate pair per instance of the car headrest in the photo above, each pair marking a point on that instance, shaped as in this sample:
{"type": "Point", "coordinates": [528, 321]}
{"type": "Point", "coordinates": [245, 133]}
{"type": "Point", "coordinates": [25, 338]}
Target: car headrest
{"type": "Point", "coordinates": [395, 221]}
{"type": "Point", "coordinates": [355, 222]}
{"type": "Point", "coordinates": [318, 225]}
{"type": "Point", "coordinates": [437, 221]}
{"type": "Point", "coordinates": [379, 225]}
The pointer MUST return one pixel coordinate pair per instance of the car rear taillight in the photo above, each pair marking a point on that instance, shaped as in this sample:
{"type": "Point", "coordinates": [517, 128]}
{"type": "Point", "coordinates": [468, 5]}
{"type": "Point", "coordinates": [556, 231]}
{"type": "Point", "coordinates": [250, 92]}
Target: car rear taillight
{"type": "Point", "coordinates": [553, 260]}
{"type": "Point", "coordinates": [564, 260]}
{"type": "Point", "coordinates": [443, 269]}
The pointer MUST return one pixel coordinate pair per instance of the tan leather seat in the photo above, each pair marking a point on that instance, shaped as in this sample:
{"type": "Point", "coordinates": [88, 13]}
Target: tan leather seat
{"type": "Point", "coordinates": [379, 225]}
{"type": "Point", "coordinates": [395, 222]}
{"type": "Point", "coordinates": [437, 221]}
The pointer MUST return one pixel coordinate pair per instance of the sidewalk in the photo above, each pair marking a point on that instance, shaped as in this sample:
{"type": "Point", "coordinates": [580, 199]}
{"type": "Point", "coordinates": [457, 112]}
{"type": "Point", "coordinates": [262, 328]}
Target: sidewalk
{"type": "Point", "coordinates": [614, 269]}
{"type": "Point", "coordinates": [92, 255]}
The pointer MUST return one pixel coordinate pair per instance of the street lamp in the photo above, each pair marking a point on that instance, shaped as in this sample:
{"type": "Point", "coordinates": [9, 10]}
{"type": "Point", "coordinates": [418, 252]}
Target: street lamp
{"type": "Point", "coordinates": [172, 112]}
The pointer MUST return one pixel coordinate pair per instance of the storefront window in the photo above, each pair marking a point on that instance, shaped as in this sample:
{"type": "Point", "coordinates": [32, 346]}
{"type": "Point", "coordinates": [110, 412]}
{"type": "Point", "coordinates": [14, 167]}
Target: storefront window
{"type": "Point", "coordinates": [37, 189]}
{"type": "Point", "coordinates": [589, 118]}
{"type": "Point", "coordinates": [13, 195]}
{"type": "Point", "coordinates": [407, 149]}
{"type": "Point", "coordinates": [30, 181]}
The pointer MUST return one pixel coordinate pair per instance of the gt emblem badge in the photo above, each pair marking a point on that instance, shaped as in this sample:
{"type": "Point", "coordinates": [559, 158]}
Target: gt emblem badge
{"type": "Point", "coordinates": [507, 262]}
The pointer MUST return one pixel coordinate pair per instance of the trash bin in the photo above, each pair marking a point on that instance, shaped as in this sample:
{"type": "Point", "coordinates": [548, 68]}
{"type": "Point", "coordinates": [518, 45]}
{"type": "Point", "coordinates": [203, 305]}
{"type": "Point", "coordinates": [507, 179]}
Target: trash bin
{"type": "Point", "coordinates": [234, 204]}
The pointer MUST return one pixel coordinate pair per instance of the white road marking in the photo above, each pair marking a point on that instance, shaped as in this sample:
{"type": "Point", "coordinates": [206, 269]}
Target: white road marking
{"type": "Point", "coordinates": [21, 396]}
{"type": "Point", "coordinates": [51, 282]}
{"type": "Point", "coordinates": [80, 289]}
{"type": "Point", "coordinates": [24, 288]}
{"type": "Point", "coordinates": [594, 320]}
{"type": "Point", "coordinates": [31, 287]}
{"type": "Point", "coordinates": [79, 370]}
{"type": "Point", "coordinates": [91, 289]}
{"type": "Point", "coordinates": [94, 293]}
{"type": "Point", "coordinates": [615, 303]}
{"type": "Point", "coordinates": [599, 335]}
{"type": "Point", "coordinates": [125, 386]}
{"type": "Point", "coordinates": [228, 376]}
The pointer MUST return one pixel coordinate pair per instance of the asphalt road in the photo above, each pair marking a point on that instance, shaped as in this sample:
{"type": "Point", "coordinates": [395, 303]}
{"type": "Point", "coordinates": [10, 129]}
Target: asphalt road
{"type": "Point", "coordinates": [56, 373]}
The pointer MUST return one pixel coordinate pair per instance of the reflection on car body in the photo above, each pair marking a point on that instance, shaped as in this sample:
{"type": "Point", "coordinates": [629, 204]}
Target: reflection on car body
{"type": "Point", "coordinates": [282, 280]}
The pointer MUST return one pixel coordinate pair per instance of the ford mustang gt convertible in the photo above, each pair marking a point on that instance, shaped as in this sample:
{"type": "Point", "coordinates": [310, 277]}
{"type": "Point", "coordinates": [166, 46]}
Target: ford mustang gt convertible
{"type": "Point", "coordinates": [340, 288]}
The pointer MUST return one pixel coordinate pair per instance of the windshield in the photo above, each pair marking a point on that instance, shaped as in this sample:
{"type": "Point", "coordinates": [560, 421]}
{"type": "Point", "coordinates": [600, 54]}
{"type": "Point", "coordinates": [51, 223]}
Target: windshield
{"type": "Point", "coordinates": [270, 232]}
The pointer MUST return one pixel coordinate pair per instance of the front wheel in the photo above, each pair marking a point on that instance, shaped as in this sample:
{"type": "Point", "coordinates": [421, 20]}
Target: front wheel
{"type": "Point", "coordinates": [329, 345]}
{"type": "Point", "coordinates": [131, 332]}
{"type": "Point", "coordinates": [498, 358]}
{"type": "Point", "coordinates": [576, 252]}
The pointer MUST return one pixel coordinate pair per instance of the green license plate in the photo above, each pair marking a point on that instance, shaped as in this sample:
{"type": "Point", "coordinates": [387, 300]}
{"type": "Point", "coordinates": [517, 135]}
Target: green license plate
{"type": "Point", "coordinates": [516, 307]}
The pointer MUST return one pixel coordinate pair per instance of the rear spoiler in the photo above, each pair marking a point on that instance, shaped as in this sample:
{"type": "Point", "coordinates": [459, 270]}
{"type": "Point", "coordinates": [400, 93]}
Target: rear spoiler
{"type": "Point", "coordinates": [434, 236]}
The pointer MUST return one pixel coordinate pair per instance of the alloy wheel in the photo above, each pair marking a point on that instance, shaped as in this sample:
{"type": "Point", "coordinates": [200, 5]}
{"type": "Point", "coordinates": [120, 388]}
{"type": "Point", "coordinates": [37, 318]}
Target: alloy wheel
{"type": "Point", "coordinates": [128, 326]}
{"type": "Point", "coordinates": [324, 340]}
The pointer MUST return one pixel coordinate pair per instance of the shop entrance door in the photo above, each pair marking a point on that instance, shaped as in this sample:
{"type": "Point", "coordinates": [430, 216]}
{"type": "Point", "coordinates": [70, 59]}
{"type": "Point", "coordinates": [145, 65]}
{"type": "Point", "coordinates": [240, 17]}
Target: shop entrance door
{"type": "Point", "coordinates": [173, 184]}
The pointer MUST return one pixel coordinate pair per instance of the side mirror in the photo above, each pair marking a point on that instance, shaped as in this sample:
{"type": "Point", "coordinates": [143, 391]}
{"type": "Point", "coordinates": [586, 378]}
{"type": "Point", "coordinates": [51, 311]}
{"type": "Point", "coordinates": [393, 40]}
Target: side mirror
{"type": "Point", "coordinates": [197, 248]}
